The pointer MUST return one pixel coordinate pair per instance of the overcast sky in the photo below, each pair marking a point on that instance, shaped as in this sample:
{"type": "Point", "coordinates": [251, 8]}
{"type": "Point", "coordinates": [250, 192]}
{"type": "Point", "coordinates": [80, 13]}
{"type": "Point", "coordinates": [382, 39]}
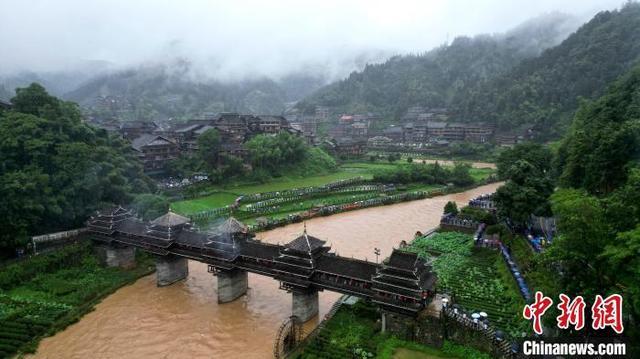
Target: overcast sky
{"type": "Point", "coordinates": [236, 37]}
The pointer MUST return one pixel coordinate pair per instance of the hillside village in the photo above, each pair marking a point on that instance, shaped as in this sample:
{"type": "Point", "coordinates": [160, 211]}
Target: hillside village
{"type": "Point", "coordinates": [346, 135]}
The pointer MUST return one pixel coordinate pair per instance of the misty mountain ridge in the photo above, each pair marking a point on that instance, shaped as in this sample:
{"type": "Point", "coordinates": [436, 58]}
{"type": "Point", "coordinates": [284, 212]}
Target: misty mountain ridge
{"type": "Point", "coordinates": [545, 90]}
{"type": "Point", "coordinates": [440, 76]}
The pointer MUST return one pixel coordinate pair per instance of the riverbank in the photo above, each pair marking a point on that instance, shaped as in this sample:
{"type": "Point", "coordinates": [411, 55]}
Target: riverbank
{"type": "Point", "coordinates": [354, 331]}
{"type": "Point", "coordinates": [47, 293]}
{"type": "Point", "coordinates": [286, 201]}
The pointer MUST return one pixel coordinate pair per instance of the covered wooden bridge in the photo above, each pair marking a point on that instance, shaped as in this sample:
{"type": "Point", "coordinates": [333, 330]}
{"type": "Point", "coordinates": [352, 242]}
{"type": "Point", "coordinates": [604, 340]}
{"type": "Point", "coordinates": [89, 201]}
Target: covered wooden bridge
{"type": "Point", "coordinates": [404, 283]}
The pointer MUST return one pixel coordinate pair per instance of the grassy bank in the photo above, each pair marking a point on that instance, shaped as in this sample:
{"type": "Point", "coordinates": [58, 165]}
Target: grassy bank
{"type": "Point", "coordinates": [354, 332]}
{"type": "Point", "coordinates": [43, 295]}
{"type": "Point", "coordinates": [220, 196]}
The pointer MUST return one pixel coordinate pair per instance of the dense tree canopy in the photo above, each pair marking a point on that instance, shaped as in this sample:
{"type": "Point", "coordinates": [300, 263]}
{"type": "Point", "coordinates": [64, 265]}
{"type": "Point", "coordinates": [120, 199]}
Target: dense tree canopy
{"type": "Point", "coordinates": [439, 77]}
{"type": "Point", "coordinates": [55, 169]}
{"type": "Point", "coordinates": [545, 90]}
{"type": "Point", "coordinates": [604, 138]}
{"type": "Point", "coordinates": [426, 173]}
{"type": "Point", "coordinates": [272, 153]}
{"type": "Point", "coordinates": [597, 207]}
{"type": "Point", "coordinates": [526, 192]}
{"type": "Point", "coordinates": [209, 146]}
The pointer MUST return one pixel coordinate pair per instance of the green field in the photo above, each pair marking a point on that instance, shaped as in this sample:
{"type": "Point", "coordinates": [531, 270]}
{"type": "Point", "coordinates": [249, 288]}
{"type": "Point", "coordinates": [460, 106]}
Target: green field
{"type": "Point", "coordinates": [353, 332]}
{"type": "Point", "coordinates": [221, 196]}
{"type": "Point", "coordinates": [477, 278]}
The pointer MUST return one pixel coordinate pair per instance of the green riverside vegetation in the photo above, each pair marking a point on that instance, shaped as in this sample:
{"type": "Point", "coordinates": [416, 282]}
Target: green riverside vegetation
{"type": "Point", "coordinates": [596, 203]}
{"type": "Point", "coordinates": [354, 333]}
{"type": "Point", "coordinates": [477, 278]}
{"type": "Point", "coordinates": [414, 176]}
{"type": "Point", "coordinates": [45, 294]}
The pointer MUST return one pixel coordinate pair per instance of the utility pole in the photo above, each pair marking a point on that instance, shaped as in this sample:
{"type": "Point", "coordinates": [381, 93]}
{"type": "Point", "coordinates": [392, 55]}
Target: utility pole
{"type": "Point", "coordinates": [377, 253]}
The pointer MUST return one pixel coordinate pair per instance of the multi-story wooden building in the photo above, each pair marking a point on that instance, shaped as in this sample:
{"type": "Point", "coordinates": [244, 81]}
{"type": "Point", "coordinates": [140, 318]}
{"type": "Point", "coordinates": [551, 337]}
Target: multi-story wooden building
{"type": "Point", "coordinates": [155, 152]}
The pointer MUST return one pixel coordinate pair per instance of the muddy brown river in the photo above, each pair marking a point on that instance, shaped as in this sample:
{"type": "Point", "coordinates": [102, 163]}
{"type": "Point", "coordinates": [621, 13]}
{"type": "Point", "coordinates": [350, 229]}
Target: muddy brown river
{"type": "Point", "coordinates": [184, 320]}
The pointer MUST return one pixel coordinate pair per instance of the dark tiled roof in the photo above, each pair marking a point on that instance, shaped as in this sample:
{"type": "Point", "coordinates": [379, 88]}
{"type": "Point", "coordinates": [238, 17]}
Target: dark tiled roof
{"type": "Point", "coordinates": [403, 260]}
{"type": "Point", "coordinates": [393, 130]}
{"type": "Point", "coordinates": [434, 124]}
{"type": "Point", "coordinates": [352, 268]}
{"type": "Point", "coordinates": [138, 124]}
{"type": "Point", "coordinates": [146, 139]}
{"type": "Point", "coordinates": [305, 243]}
{"type": "Point", "coordinates": [257, 249]}
{"type": "Point", "coordinates": [113, 211]}
{"type": "Point", "coordinates": [203, 129]}
{"type": "Point", "coordinates": [187, 128]}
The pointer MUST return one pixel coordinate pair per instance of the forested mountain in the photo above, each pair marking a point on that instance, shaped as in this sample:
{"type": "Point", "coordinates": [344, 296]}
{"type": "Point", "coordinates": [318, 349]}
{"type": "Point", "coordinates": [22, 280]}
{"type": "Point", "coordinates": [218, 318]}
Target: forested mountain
{"type": "Point", "coordinates": [545, 90]}
{"type": "Point", "coordinates": [441, 76]}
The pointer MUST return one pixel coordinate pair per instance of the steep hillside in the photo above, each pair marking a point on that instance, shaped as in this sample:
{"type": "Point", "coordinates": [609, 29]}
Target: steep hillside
{"type": "Point", "coordinates": [441, 76]}
{"type": "Point", "coordinates": [545, 90]}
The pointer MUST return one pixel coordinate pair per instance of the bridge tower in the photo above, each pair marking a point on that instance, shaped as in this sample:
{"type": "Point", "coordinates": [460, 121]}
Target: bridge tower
{"type": "Point", "coordinates": [232, 282]}
{"type": "Point", "coordinates": [101, 227]}
{"type": "Point", "coordinates": [294, 266]}
{"type": "Point", "coordinates": [169, 268]}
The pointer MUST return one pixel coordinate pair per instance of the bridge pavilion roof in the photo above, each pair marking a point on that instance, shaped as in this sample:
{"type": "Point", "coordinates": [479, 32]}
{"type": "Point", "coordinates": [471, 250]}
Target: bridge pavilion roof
{"type": "Point", "coordinates": [232, 225]}
{"type": "Point", "coordinates": [403, 260]}
{"type": "Point", "coordinates": [305, 243]}
{"type": "Point", "coordinates": [170, 220]}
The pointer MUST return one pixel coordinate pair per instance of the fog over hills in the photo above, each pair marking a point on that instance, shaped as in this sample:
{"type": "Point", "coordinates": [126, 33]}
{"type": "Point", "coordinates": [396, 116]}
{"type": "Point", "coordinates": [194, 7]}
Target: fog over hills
{"type": "Point", "coordinates": [256, 57]}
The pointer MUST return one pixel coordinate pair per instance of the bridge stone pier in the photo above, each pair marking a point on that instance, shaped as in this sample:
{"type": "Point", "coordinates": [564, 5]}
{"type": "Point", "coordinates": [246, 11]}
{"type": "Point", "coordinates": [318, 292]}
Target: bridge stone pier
{"type": "Point", "coordinates": [113, 255]}
{"type": "Point", "coordinates": [170, 269]}
{"type": "Point", "coordinates": [305, 304]}
{"type": "Point", "coordinates": [232, 284]}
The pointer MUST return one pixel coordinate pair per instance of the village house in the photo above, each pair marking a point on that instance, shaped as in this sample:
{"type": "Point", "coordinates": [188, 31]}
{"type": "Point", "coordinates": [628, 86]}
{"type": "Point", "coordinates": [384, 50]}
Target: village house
{"type": "Point", "coordinates": [395, 133]}
{"type": "Point", "coordinates": [429, 131]}
{"type": "Point", "coordinates": [478, 132]}
{"type": "Point", "coordinates": [522, 133]}
{"type": "Point", "coordinates": [346, 147]}
{"type": "Point", "coordinates": [131, 130]}
{"type": "Point", "coordinates": [155, 152]}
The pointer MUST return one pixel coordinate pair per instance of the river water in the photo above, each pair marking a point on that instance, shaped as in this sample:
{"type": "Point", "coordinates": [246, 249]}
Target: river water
{"type": "Point", "coordinates": [184, 320]}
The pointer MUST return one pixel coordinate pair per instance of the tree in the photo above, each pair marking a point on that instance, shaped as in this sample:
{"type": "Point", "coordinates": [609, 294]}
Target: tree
{"type": "Point", "coordinates": [621, 257]}
{"type": "Point", "coordinates": [604, 138]}
{"type": "Point", "coordinates": [584, 233]}
{"type": "Point", "coordinates": [150, 206]}
{"type": "Point", "coordinates": [56, 170]}
{"type": "Point", "coordinates": [409, 160]}
{"type": "Point", "coordinates": [536, 154]}
{"type": "Point", "coordinates": [451, 208]}
{"type": "Point", "coordinates": [273, 153]}
{"type": "Point", "coordinates": [461, 175]}
{"type": "Point", "coordinates": [526, 192]}
{"type": "Point", "coordinates": [209, 147]}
